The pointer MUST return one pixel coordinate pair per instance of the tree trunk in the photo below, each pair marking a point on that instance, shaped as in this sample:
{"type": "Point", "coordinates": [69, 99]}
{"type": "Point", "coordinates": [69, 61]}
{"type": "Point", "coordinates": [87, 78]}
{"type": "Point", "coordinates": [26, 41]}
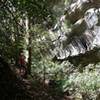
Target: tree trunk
{"type": "Point", "coordinates": [30, 56]}
{"type": "Point", "coordinates": [29, 42]}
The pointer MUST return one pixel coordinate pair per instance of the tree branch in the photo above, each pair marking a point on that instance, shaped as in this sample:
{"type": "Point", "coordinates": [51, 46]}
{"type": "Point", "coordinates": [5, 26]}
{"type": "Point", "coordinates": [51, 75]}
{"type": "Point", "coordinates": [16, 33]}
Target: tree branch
{"type": "Point", "coordinates": [14, 18]}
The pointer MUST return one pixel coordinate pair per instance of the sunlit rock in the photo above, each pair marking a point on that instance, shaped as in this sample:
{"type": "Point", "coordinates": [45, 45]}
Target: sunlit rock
{"type": "Point", "coordinates": [96, 42]}
{"type": "Point", "coordinates": [91, 17]}
{"type": "Point", "coordinates": [83, 33]}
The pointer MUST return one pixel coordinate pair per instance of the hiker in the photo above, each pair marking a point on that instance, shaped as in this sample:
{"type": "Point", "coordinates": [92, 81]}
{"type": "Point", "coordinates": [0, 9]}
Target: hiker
{"type": "Point", "coordinates": [22, 64]}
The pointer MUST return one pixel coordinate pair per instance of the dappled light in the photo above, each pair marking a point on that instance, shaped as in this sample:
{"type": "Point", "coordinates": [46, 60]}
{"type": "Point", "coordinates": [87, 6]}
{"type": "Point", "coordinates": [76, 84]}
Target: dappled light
{"type": "Point", "coordinates": [50, 50]}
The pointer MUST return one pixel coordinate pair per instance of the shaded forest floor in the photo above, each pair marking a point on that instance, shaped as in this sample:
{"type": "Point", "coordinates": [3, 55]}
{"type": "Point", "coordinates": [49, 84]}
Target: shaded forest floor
{"type": "Point", "coordinates": [40, 90]}
{"type": "Point", "coordinates": [13, 87]}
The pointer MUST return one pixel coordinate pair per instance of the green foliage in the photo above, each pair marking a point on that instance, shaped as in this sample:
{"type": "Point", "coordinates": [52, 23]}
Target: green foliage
{"type": "Point", "coordinates": [13, 31]}
{"type": "Point", "coordinates": [42, 14]}
{"type": "Point", "coordinates": [84, 83]}
{"type": "Point", "coordinates": [55, 71]}
{"type": "Point", "coordinates": [68, 77]}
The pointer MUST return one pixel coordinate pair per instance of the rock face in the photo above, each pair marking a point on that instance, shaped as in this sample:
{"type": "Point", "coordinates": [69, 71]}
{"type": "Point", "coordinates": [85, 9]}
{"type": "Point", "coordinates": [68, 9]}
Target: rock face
{"type": "Point", "coordinates": [82, 34]}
